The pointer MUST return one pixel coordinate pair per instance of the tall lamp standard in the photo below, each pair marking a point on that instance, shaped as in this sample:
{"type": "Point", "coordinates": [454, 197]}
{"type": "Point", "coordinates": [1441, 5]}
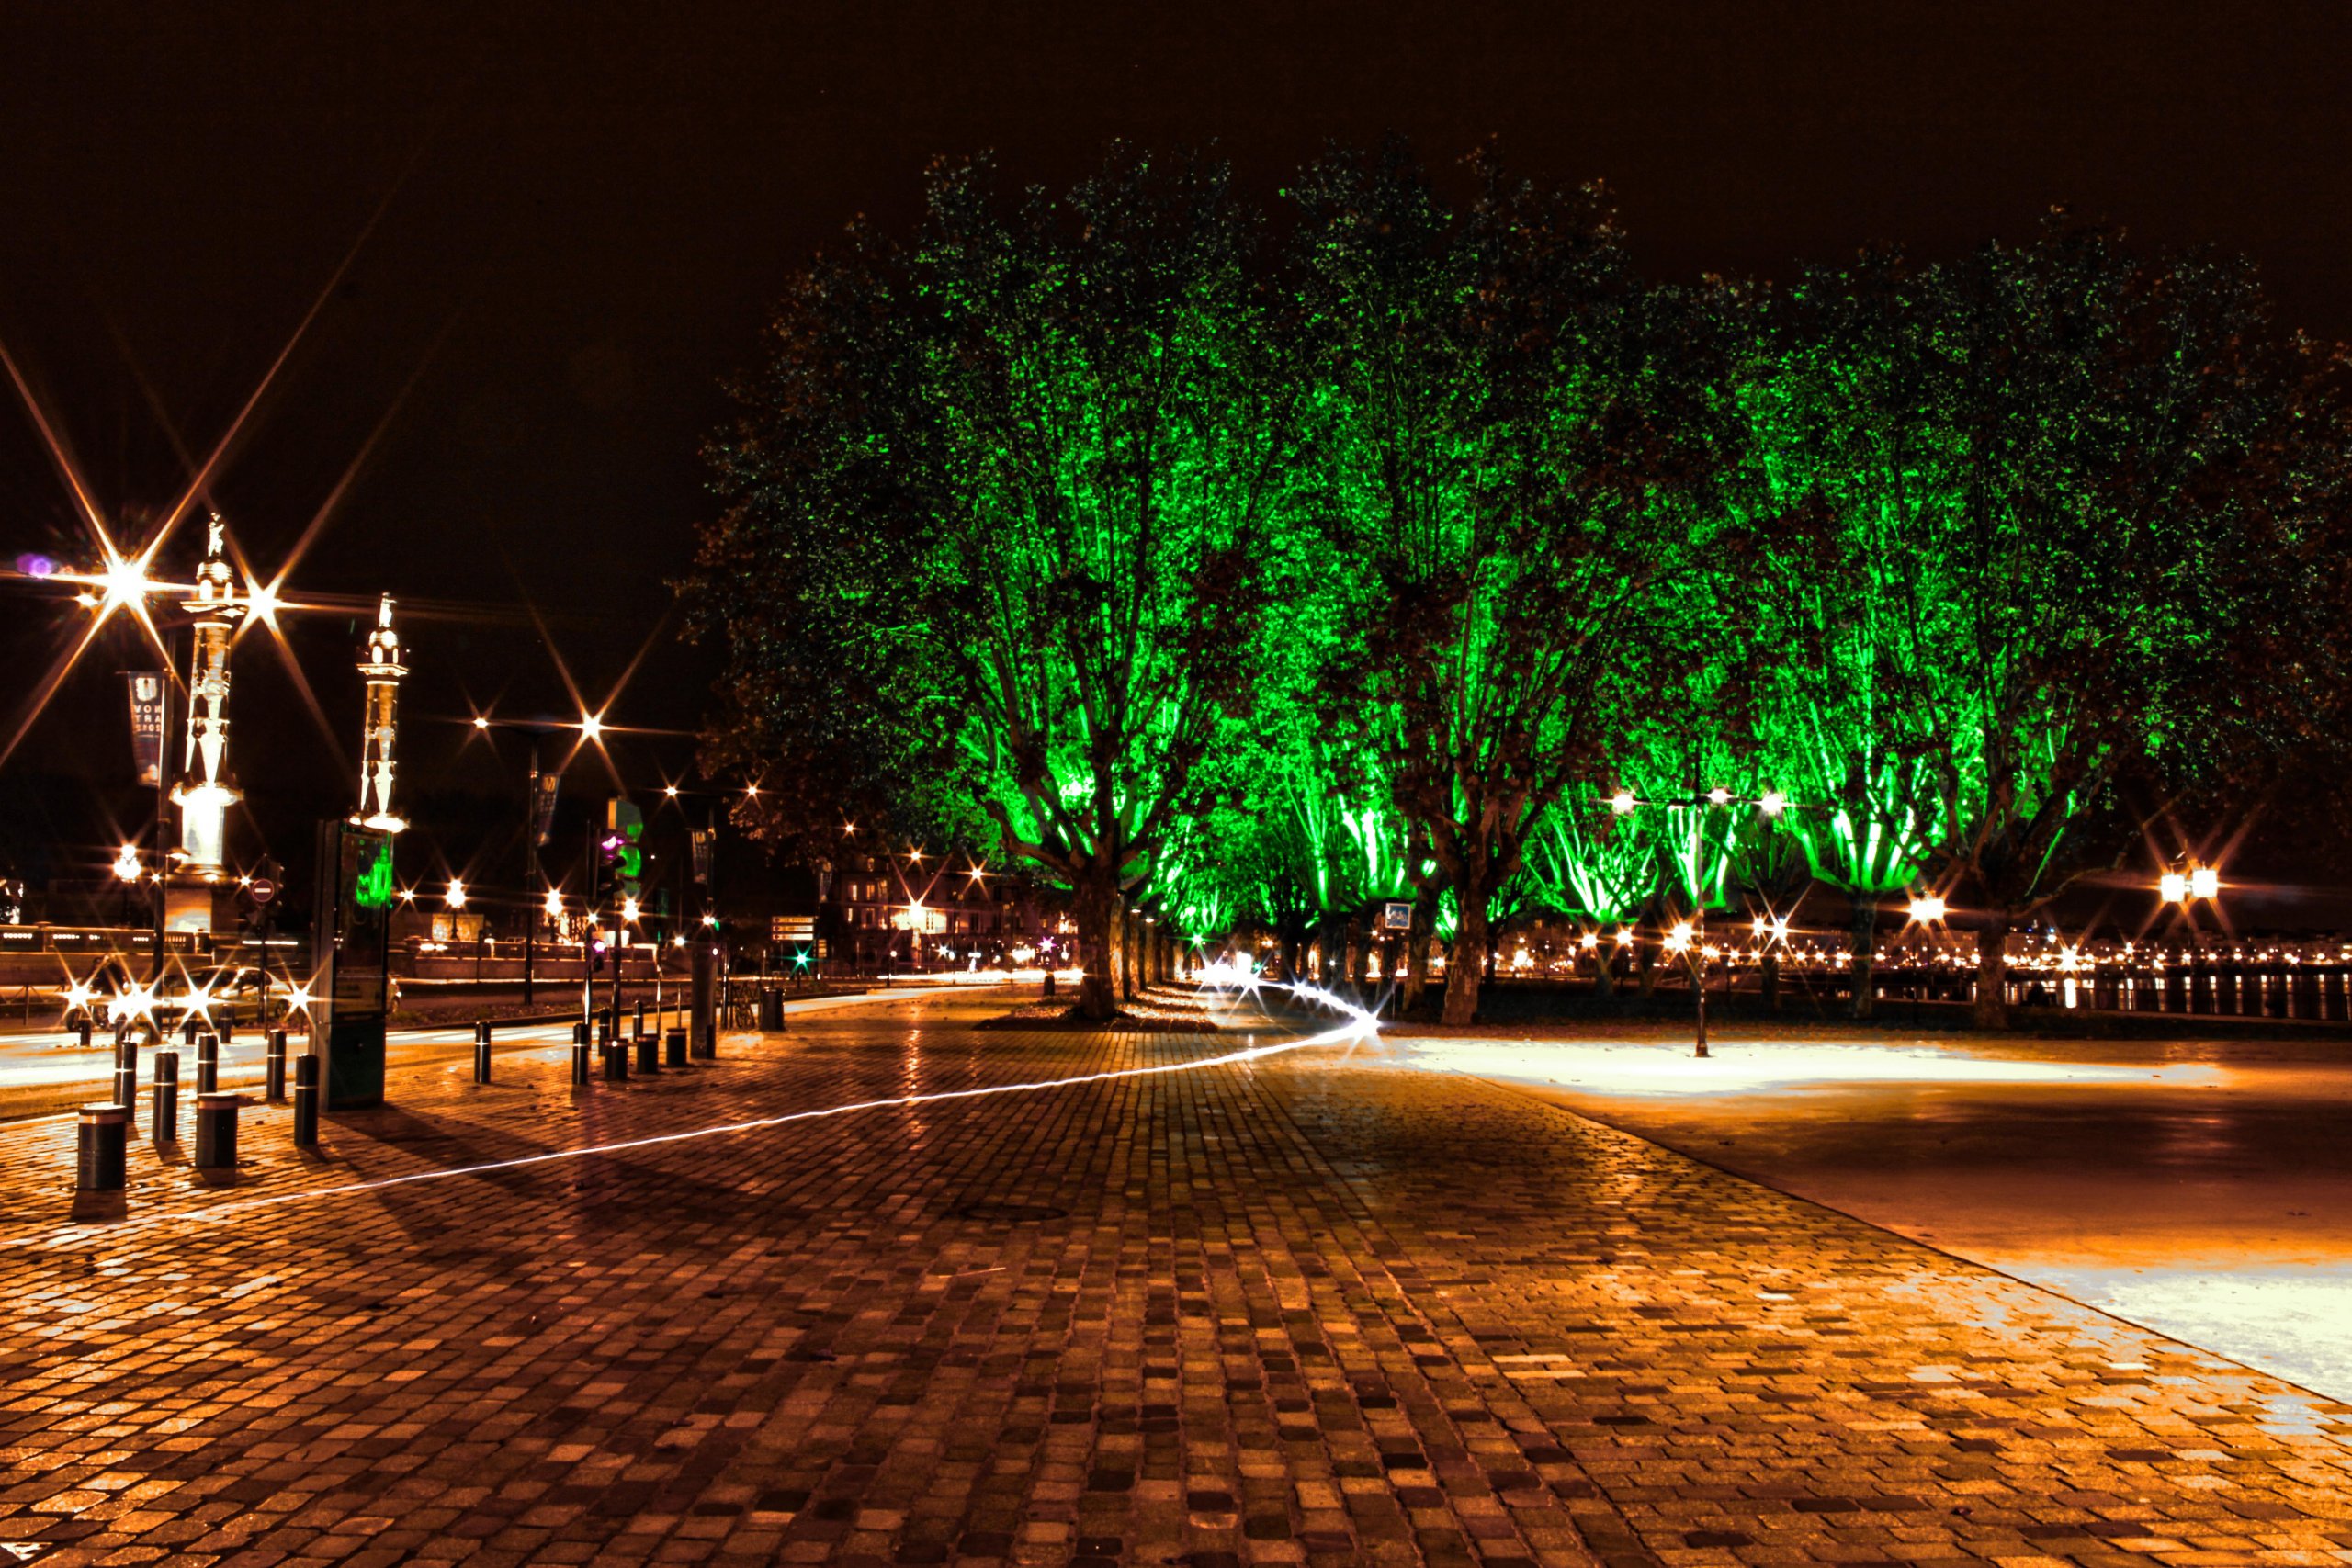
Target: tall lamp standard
{"type": "Point", "coordinates": [1687, 939]}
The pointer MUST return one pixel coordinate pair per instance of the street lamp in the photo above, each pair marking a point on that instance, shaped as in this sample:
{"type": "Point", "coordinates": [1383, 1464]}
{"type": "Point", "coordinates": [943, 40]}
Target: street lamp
{"type": "Point", "coordinates": [455, 897]}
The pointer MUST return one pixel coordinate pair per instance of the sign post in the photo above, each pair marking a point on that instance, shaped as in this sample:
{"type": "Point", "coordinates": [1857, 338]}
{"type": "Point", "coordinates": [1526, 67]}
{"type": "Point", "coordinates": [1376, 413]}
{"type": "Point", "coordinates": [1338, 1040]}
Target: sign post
{"type": "Point", "coordinates": [351, 951]}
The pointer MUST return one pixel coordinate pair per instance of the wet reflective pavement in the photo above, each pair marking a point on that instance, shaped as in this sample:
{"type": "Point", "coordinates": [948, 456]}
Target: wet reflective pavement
{"type": "Point", "coordinates": [2202, 1189]}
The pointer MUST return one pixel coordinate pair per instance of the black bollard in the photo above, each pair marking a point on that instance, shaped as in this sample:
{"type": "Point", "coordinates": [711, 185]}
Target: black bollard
{"type": "Point", "coordinates": [677, 1040]}
{"type": "Point", "coordinates": [579, 1053]}
{"type": "Point", "coordinates": [188, 1029]}
{"type": "Point", "coordinates": [275, 1066]}
{"type": "Point", "coordinates": [481, 1052]}
{"type": "Point", "coordinates": [640, 1033]}
{"type": "Point", "coordinates": [305, 1100]}
{"type": "Point", "coordinates": [166, 1119]}
{"type": "Point", "coordinates": [208, 1064]}
{"type": "Point", "coordinates": [216, 1131]}
{"type": "Point", "coordinates": [616, 1060]}
{"type": "Point", "coordinates": [649, 1053]}
{"type": "Point", "coordinates": [100, 1145]}
{"type": "Point", "coordinates": [83, 1031]}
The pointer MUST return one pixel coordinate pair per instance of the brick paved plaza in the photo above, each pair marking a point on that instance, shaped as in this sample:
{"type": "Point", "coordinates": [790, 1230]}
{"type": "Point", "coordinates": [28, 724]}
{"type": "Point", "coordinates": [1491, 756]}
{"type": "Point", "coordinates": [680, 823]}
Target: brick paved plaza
{"type": "Point", "coordinates": [1313, 1308]}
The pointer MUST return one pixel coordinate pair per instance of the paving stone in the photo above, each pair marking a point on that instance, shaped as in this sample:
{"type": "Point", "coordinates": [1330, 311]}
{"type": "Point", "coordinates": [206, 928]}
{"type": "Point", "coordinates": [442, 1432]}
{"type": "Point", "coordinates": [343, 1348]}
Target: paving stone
{"type": "Point", "coordinates": [1307, 1308]}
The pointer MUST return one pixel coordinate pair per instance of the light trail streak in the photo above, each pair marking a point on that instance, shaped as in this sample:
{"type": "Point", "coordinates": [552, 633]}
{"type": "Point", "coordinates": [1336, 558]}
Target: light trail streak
{"type": "Point", "coordinates": [1358, 1024]}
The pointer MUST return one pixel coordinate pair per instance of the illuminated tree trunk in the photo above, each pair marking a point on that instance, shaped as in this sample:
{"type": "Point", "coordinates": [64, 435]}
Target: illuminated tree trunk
{"type": "Point", "coordinates": [1466, 968]}
{"type": "Point", "coordinates": [1123, 950]}
{"type": "Point", "coordinates": [1418, 933]}
{"type": "Point", "coordinates": [1604, 976]}
{"type": "Point", "coordinates": [1096, 910]}
{"type": "Point", "coordinates": [1864, 952]}
{"type": "Point", "coordinates": [1991, 1009]}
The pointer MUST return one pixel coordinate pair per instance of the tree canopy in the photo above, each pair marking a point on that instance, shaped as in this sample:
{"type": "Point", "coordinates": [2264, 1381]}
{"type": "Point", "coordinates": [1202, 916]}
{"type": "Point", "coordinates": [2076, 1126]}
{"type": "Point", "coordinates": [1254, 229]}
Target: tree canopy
{"type": "Point", "coordinates": [1269, 567]}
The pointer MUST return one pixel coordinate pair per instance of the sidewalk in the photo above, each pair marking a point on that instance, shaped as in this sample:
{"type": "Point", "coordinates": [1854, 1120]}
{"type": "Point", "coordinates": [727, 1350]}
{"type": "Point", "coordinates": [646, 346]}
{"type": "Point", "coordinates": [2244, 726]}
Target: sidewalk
{"type": "Point", "coordinates": [1310, 1308]}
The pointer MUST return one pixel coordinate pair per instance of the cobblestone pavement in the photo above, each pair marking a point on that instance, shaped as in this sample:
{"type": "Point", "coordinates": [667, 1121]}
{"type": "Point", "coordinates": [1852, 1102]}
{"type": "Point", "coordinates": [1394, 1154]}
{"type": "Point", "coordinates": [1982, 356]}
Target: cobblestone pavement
{"type": "Point", "coordinates": [1312, 1308]}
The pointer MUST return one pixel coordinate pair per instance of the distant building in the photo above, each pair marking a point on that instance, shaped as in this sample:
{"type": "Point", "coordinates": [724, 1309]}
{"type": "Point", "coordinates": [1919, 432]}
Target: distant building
{"type": "Point", "coordinates": [888, 911]}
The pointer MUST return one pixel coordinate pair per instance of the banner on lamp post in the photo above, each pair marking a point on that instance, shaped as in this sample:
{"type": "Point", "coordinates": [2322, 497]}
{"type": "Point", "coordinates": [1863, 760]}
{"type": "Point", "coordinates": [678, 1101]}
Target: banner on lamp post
{"type": "Point", "coordinates": [145, 689]}
{"type": "Point", "coordinates": [542, 808]}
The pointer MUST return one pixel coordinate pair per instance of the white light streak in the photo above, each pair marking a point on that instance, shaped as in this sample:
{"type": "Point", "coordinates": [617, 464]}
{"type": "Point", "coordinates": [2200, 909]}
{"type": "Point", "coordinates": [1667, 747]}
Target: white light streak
{"type": "Point", "coordinates": [1358, 1025]}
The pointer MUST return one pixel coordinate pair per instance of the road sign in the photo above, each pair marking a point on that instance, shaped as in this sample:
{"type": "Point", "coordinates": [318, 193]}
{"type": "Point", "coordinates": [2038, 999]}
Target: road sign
{"type": "Point", "coordinates": [792, 927]}
{"type": "Point", "coordinates": [1397, 915]}
{"type": "Point", "coordinates": [262, 889]}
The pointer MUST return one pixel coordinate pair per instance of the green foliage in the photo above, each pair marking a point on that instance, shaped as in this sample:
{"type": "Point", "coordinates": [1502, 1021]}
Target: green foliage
{"type": "Point", "coordinates": [1269, 583]}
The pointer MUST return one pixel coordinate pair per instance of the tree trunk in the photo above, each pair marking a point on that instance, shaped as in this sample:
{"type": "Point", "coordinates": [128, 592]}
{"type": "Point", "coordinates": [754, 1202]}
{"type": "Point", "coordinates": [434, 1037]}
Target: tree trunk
{"type": "Point", "coordinates": [1416, 955]}
{"type": "Point", "coordinates": [1772, 981]}
{"type": "Point", "coordinates": [1992, 1010]}
{"type": "Point", "coordinates": [1864, 954]}
{"type": "Point", "coordinates": [1464, 970]}
{"type": "Point", "coordinates": [1604, 976]}
{"type": "Point", "coordinates": [1095, 908]}
{"type": "Point", "coordinates": [1352, 956]}
{"type": "Point", "coordinates": [1118, 938]}
{"type": "Point", "coordinates": [1645, 960]}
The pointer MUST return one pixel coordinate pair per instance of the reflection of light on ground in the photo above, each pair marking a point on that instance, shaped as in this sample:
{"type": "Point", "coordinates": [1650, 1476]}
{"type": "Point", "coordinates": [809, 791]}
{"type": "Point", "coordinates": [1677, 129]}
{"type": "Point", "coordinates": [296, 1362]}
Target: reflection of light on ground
{"type": "Point", "coordinates": [1625, 1067]}
{"type": "Point", "coordinates": [2289, 1322]}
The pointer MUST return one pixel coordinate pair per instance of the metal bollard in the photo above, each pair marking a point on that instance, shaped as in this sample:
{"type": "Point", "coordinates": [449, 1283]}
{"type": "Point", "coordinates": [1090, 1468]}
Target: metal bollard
{"type": "Point", "coordinates": [305, 1100]}
{"type": "Point", "coordinates": [482, 1050]}
{"type": "Point", "coordinates": [100, 1147]}
{"type": "Point", "coordinates": [167, 1117]}
{"type": "Point", "coordinates": [275, 1066]}
{"type": "Point", "coordinates": [640, 1021]}
{"type": "Point", "coordinates": [216, 1131]}
{"type": "Point", "coordinates": [579, 1053]}
{"type": "Point", "coordinates": [649, 1053]}
{"type": "Point", "coordinates": [83, 1031]}
{"type": "Point", "coordinates": [188, 1029]}
{"type": "Point", "coordinates": [677, 1039]}
{"type": "Point", "coordinates": [616, 1060]}
{"type": "Point", "coordinates": [208, 1064]}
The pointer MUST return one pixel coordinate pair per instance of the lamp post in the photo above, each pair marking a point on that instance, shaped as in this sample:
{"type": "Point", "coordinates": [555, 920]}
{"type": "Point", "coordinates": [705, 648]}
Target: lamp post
{"type": "Point", "coordinates": [1687, 939]}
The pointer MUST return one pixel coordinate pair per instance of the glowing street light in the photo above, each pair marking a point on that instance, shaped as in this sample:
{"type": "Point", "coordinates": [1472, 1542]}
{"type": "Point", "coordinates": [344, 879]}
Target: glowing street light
{"type": "Point", "coordinates": [2205, 882]}
{"type": "Point", "coordinates": [554, 905]}
{"type": "Point", "coordinates": [456, 896]}
{"type": "Point", "coordinates": [1622, 803]}
{"type": "Point", "coordinates": [125, 863]}
{"type": "Point", "coordinates": [591, 726]}
{"type": "Point", "coordinates": [628, 911]}
{"type": "Point", "coordinates": [1927, 909]}
{"type": "Point", "coordinates": [2173, 887]}
{"type": "Point", "coordinates": [1774, 803]}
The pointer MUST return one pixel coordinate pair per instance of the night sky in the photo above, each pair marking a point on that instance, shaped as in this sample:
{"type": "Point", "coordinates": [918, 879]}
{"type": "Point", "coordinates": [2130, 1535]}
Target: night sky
{"type": "Point", "coordinates": [579, 210]}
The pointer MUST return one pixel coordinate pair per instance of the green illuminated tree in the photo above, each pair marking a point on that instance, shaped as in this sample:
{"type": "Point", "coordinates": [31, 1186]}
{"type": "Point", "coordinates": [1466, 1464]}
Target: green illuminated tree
{"type": "Point", "coordinates": [1514, 434]}
{"type": "Point", "coordinates": [1017, 474]}
{"type": "Point", "coordinates": [2118, 415]}
{"type": "Point", "coordinates": [1866, 713]}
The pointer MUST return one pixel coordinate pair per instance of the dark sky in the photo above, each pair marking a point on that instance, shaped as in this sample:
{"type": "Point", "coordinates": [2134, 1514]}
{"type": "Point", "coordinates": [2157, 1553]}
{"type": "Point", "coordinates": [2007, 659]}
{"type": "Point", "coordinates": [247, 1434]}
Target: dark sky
{"type": "Point", "coordinates": [581, 207]}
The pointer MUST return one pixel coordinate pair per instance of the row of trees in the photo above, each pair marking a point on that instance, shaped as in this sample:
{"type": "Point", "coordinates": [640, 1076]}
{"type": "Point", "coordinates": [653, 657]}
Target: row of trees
{"type": "Point", "coordinates": [1251, 569]}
